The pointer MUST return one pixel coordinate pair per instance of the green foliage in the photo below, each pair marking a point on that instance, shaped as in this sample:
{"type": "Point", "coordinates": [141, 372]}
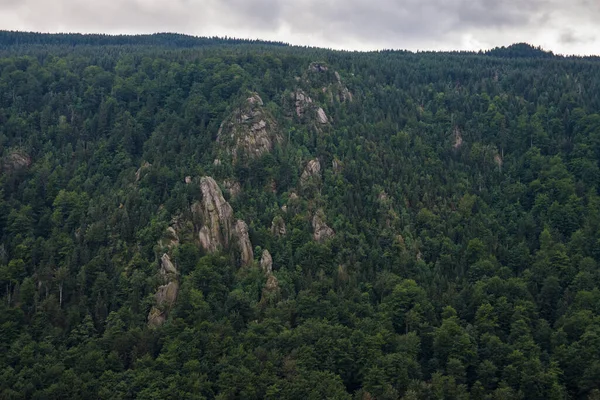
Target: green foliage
{"type": "Point", "coordinates": [463, 190]}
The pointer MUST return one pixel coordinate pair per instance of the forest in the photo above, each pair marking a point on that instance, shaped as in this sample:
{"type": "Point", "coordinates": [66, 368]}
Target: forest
{"type": "Point", "coordinates": [214, 218]}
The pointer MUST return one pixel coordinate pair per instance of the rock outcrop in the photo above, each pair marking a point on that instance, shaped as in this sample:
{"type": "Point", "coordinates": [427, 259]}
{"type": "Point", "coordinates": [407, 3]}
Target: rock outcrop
{"type": "Point", "coordinates": [321, 232]}
{"type": "Point", "coordinates": [272, 284]}
{"type": "Point", "coordinates": [318, 67]}
{"type": "Point", "coordinates": [336, 165]}
{"type": "Point", "coordinates": [250, 129]}
{"type": "Point", "coordinates": [278, 227]}
{"type": "Point", "coordinates": [331, 83]}
{"type": "Point", "coordinates": [166, 294]}
{"type": "Point", "coordinates": [313, 168]}
{"type": "Point", "coordinates": [214, 217]}
{"type": "Point", "coordinates": [266, 262]}
{"type": "Point", "coordinates": [141, 170]}
{"type": "Point", "coordinates": [243, 243]}
{"type": "Point", "coordinates": [166, 265]}
{"type": "Point", "coordinates": [216, 227]}
{"type": "Point", "coordinates": [271, 289]}
{"type": "Point", "coordinates": [321, 117]}
{"type": "Point", "coordinates": [458, 140]}
{"type": "Point", "coordinates": [165, 300]}
{"type": "Point", "coordinates": [302, 102]}
{"type": "Point", "coordinates": [16, 160]}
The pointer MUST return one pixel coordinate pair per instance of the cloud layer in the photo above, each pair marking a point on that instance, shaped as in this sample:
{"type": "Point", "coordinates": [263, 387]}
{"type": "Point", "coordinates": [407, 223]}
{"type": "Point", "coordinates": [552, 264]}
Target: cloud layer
{"type": "Point", "coordinates": [567, 27]}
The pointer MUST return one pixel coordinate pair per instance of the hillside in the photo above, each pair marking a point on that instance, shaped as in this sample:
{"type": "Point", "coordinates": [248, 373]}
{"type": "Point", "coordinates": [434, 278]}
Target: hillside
{"type": "Point", "coordinates": [205, 218]}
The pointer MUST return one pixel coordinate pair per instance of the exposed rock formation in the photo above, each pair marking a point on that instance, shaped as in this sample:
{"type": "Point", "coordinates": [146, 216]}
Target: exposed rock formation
{"type": "Point", "coordinates": [321, 117]}
{"type": "Point", "coordinates": [336, 165]}
{"type": "Point", "coordinates": [166, 294]}
{"type": "Point", "coordinates": [16, 160]}
{"type": "Point", "coordinates": [321, 232]}
{"type": "Point", "coordinates": [313, 168]}
{"type": "Point", "coordinates": [188, 180]}
{"type": "Point", "coordinates": [213, 228]}
{"type": "Point", "coordinates": [165, 299]}
{"type": "Point", "coordinates": [272, 284]}
{"type": "Point", "coordinates": [278, 227]}
{"type": "Point", "coordinates": [243, 243]}
{"type": "Point", "coordinates": [302, 102]}
{"type": "Point", "coordinates": [144, 168]}
{"type": "Point", "coordinates": [330, 84]}
{"type": "Point", "coordinates": [167, 266]}
{"type": "Point", "coordinates": [266, 262]}
{"type": "Point", "coordinates": [458, 140]}
{"type": "Point", "coordinates": [271, 288]}
{"type": "Point", "coordinates": [214, 215]}
{"type": "Point", "coordinates": [250, 129]}
{"type": "Point", "coordinates": [318, 67]}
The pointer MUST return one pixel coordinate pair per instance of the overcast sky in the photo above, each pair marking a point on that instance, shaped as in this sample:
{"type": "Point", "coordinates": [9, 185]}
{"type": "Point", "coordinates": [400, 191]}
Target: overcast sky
{"type": "Point", "coordinates": [563, 26]}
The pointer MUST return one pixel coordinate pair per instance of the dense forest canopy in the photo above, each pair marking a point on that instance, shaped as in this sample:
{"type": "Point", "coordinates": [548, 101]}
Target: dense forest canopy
{"type": "Point", "coordinates": [199, 218]}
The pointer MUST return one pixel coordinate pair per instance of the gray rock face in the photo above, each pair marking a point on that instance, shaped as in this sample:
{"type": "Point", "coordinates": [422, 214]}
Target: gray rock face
{"type": "Point", "coordinates": [250, 129]}
{"type": "Point", "coordinates": [302, 102]}
{"type": "Point", "coordinates": [313, 168]}
{"type": "Point", "coordinates": [166, 294]}
{"type": "Point", "coordinates": [214, 214]}
{"type": "Point", "coordinates": [165, 299]}
{"type": "Point", "coordinates": [243, 243]}
{"type": "Point", "coordinates": [266, 262]}
{"type": "Point", "coordinates": [321, 117]}
{"type": "Point", "coordinates": [321, 232]}
{"type": "Point", "coordinates": [167, 266]}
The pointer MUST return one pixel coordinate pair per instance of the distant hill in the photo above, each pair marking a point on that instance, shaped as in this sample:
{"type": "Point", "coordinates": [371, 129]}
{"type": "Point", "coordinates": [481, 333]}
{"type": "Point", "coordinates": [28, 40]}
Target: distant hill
{"type": "Point", "coordinates": [176, 40]}
{"type": "Point", "coordinates": [520, 50]}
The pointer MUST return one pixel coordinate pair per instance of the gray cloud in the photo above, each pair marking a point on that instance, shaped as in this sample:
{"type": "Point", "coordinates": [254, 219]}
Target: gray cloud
{"type": "Point", "coordinates": [361, 24]}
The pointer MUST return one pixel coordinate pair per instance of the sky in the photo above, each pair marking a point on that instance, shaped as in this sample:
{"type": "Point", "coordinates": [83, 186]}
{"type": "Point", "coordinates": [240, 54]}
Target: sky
{"type": "Point", "coordinates": [562, 26]}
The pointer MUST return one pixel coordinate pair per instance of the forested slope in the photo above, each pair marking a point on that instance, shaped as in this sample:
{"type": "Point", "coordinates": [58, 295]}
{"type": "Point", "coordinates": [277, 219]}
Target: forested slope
{"type": "Point", "coordinates": [189, 218]}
